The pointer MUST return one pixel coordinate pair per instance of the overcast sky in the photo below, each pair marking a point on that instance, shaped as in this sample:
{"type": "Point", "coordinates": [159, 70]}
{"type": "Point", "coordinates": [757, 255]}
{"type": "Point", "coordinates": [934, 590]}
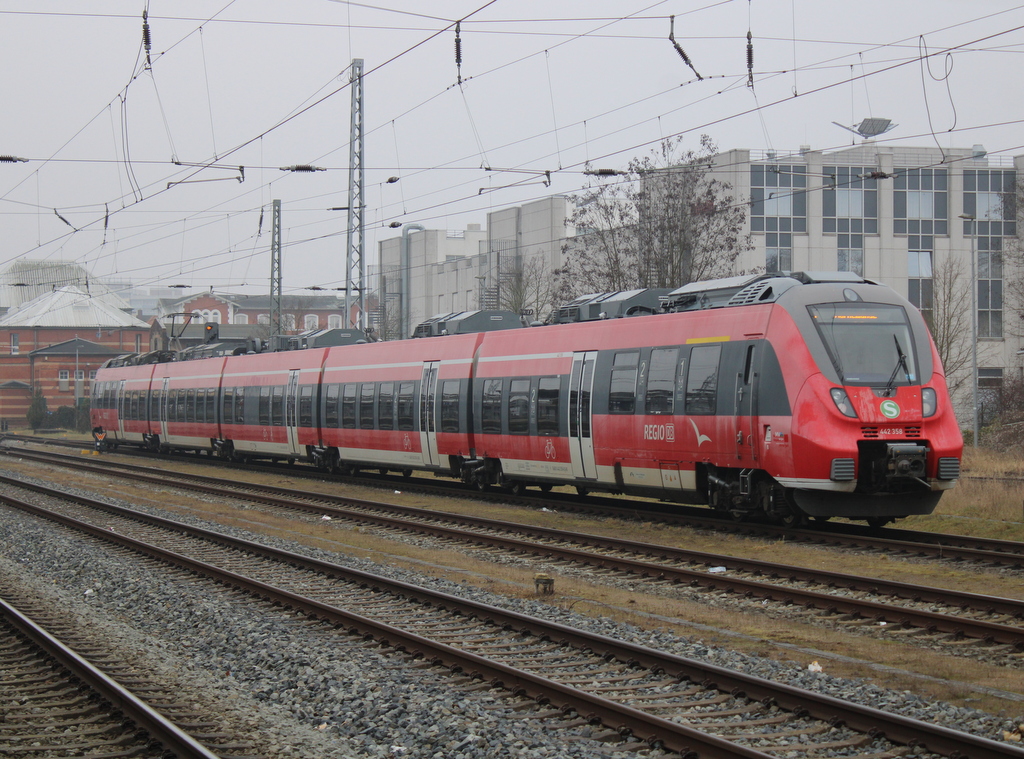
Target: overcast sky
{"type": "Point", "coordinates": [545, 87]}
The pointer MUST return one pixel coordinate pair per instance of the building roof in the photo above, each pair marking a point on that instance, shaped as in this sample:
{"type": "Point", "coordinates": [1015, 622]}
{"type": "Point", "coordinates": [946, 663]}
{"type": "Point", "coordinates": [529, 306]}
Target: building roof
{"type": "Point", "coordinates": [71, 307]}
{"type": "Point", "coordinates": [254, 302]}
{"type": "Point", "coordinates": [25, 280]}
{"type": "Point", "coordinates": [76, 347]}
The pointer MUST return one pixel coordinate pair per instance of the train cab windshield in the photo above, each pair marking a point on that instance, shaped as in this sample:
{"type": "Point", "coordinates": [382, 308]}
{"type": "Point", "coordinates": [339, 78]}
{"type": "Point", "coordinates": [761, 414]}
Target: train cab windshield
{"type": "Point", "coordinates": [868, 343]}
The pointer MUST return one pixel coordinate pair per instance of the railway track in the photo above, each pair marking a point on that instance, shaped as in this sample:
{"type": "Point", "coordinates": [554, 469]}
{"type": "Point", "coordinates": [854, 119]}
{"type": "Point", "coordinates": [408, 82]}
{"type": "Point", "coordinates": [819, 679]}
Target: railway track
{"type": "Point", "coordinates": [646, 696]}
{"type": "Point", "coordinates": [893, 541]}
{"type": "Point", "coordinates": [57, 703]}
{"type": "Point", "coordinates": [908, 611]}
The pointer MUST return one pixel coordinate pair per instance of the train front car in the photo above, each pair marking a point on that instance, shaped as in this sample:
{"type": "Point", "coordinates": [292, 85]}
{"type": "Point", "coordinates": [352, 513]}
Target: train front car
{"type": "Point", "coordinates": [872, 435]}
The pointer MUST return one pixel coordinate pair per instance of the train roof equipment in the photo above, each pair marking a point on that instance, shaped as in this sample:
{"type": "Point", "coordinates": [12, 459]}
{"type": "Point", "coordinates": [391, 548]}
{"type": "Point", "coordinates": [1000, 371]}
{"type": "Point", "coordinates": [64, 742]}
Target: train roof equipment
{"type": "Point", "coordinates": [465, 322]}
{"type": "Point", "coordinates": [749, 289]}
{"type": "Point", "coordinates": [614, 305]}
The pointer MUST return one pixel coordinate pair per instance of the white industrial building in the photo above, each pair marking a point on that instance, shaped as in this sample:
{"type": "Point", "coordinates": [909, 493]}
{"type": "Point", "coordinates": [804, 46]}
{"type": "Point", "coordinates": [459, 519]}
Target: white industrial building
{"type": "Point", "coordinates": [890, 213]}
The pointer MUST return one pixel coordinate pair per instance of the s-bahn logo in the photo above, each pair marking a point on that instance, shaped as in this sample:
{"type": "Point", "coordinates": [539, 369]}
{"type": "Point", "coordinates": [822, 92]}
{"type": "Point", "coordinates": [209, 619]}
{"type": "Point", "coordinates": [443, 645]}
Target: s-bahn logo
{"type": "Point", "coordinates": [549, 450]}
{"type": "Point", "coordinates": [889, 409]}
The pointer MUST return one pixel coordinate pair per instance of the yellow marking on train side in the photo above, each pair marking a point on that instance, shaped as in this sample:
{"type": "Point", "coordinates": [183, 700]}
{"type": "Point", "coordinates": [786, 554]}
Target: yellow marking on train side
{"type": "Point", "coordinates": [722, 339]}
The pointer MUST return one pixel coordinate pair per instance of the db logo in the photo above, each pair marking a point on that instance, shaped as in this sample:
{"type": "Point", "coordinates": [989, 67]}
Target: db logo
{"type": "Point", "coordinates": [549, 450]}
{"type": "Point", "coordinates": [666, 432]}
{"type": "Point", "coordinates": [889, 409]}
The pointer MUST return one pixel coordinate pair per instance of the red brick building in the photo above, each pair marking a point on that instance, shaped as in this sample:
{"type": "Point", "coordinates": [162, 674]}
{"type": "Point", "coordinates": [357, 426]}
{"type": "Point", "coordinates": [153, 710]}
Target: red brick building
{"type": "Point", "coordinates": [56, 342]}
{"type": "Point", "coordinates": [299, 313]}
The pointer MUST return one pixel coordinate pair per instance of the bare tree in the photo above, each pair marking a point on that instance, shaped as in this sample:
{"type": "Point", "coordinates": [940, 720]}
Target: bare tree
{"type": "Point", "coordinates": [529, 288]}
{"type": "Point", "coordinates": [667, 223]}
{"type": "Point", "coordinates": [949, 321]}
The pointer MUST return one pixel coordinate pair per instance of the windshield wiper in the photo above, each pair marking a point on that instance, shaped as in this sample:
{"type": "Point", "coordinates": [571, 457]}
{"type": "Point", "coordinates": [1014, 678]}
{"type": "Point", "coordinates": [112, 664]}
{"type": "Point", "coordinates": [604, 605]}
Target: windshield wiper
{"type": "Point", "coordinates": [901, 362]}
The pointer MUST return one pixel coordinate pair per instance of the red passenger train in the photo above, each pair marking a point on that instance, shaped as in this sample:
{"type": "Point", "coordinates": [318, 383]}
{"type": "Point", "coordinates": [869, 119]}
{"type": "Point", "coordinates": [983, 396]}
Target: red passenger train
{"type": "Point", "coordinates": [810, 394]}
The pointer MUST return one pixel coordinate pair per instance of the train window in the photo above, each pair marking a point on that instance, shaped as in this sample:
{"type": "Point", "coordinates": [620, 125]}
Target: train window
{"type": "Point", "coordinates": [622, 391]}
{"type": "Point", "coordinates": [348, 407]}
{"type": "Point", "coordinates": [240, 405]}
{"type": "Point", "coordinates": [386, 406]}
{"type": "Point", "coordinates": [702, 380]}
{"type": "Point", "coordinates": [201, 405]}
{"type": "Point", "coordinates": [190, 405]}
{"type": "Point", "coordinates": [306, 406]}
{"type": "Point", "coordinates": [155, 408]}
{"type": "Point", "coordinates": [211, 405]}
{"type": "Point", "coordinates": [331, 410]}
{"type": "Point", "coordinates": [406, 405]}
{"type": "Point", "coordinates": [490, 414]}
{"type": "Point", "coordinates": [366, 406]}
{"type": "Point", "coordinates": [228, 408]}
{"type": "Point", "coordinates": [264, 406]}
{"type": "Point", "coordinates": [450, 406]}
{"type": "Point", "coordinates": [661, 382]}
{"type": "Point", "coordinates": [868, 343]}
{"type": "Point", "coordinates": [277, 406]}
{"type": "Point", "coordinates": [519, 407]}
{"type": "Point", "coordinates": [547, 406]}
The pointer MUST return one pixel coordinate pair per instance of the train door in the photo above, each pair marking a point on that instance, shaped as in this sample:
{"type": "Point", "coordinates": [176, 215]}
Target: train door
{"type": "Point", "coordinates": [291, 414]}
{"type": "Point", "coordinates": [581, 441]}
{"type": "Point", "coordinates": [747, 440]}
{"type": "Point", "coordinates": [161, 413]}
{"type": "Point", "coordinates": [122, 408]}
{"type": "Point", "coordinates": [428, 414]}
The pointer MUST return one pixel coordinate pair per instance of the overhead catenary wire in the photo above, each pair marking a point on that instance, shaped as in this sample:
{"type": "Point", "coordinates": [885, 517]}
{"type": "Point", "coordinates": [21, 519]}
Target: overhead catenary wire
{"type": "Point", "coordinates": [588, 140]}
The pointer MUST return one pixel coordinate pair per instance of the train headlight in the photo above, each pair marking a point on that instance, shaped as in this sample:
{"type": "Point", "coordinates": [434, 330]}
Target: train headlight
{"type": "Point", "coordinates": [842, 401]}
{"type": "Point", "coordinates": [929, 404]}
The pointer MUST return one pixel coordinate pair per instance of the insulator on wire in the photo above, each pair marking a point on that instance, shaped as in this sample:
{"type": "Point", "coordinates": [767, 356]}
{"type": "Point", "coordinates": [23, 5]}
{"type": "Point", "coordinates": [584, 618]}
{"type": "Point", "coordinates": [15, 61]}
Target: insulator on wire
{"type": "Point", "coordinates": [147, 41]}
{"type": "Point", "coordinates": [458, 48]}
{"type": "Point", "coordinates": [682, 53]}
{"type": "Point", "coordinates": [750, 60]}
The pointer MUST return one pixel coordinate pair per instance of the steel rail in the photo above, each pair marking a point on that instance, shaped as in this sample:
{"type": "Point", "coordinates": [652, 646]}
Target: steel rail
{"type": "Point", "coordinates": [161, 729]}
{"type": "Point", "coordinates": [862, 608]}
{"type": "Point", "coordinates": [941, 545]}
{"type": "Point", "coordinates": [676, 737]}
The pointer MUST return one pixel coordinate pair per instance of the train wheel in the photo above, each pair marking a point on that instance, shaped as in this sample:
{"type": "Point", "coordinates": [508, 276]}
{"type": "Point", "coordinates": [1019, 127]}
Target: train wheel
{"type": "Point", "coordinates": [793, 520]}
{"type": "Point", "coordinates": [481, 486]}
{"type": "Point", "coordinates": [517, 488]}
{"type": "Point", "coordinates": [580, 490]}
{"type": "Point", "coordinates": [407, 473]}
{"type": "Point", "coordinates": [546, 488]}
{"type": "Point", "coordinates": [383, 472]}
{"type": "Point", "coordinates": [876, 522]}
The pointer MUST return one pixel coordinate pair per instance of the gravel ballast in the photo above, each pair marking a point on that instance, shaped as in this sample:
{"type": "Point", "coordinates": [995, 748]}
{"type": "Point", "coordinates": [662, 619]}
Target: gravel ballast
{"type": "Point", "coordinates": [305, 690]}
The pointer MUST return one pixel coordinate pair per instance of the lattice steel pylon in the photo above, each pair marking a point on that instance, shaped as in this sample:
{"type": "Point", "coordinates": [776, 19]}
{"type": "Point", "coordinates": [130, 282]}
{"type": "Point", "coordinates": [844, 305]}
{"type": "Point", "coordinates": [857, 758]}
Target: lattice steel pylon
{"type": "Point", "coordinates": [355, 265]}
{"type": "Point", "coordinates": [275, 269]}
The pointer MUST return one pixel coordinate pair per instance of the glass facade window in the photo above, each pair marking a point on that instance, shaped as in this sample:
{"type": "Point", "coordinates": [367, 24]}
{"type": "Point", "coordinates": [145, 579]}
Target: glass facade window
{"type": "Point", "coordinates": [990, 394]}
{"type": "Point", "coordinates": [920, 202]}
{"type": "Point", "coordinates": [990, 286]}
{"type": "Point", "coordinates": [778, 254]}
{"type": "Point", "coordinates": [778, 198]}
{"type": "Point", "coordinates": [990, 197]}
{"type": "Point", "coordinates": [849, 205]}
{"type": "Point", "coordinates": [919, 282]}
{"type": "Point", "coordinates": [850, 255]}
